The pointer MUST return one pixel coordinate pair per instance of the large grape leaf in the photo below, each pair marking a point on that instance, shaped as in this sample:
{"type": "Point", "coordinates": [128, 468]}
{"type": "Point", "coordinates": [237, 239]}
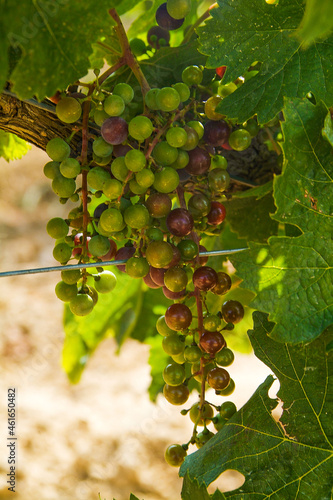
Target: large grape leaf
{"type": "Point", "coordinates": [291, 458]}
{"type": "Point", "coordinates": [55, 39]}
{"type": "Point", "coordinates": [242, 32]}
{"type": "Point", "coordinates": [317, 22]}
{"type": "Point", "coordinates": [292, 276]}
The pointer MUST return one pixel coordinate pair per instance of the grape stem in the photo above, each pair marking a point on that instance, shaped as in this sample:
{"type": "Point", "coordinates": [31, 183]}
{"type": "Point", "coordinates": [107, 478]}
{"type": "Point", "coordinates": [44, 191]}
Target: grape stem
{"type": "Point", "coordinates": [127, 55]}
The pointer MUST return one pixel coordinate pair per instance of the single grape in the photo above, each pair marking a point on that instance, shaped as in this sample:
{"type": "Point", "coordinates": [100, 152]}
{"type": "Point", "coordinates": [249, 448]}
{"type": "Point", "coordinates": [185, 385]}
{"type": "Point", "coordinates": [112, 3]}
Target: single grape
{"type": "Point", "coordinates": [178, 9]}
{"type": "Point", "coordinates": [158, 205]}
{"type": "Point", "coordinates": [216, 132]}
{"type": "Point", "coordinates": [100, 116]}
{"type": "Point", "coordinates": [225, 357]}
{"type": "Point", "coordinates": [158, 37]}
{"type": "Point", "coordinates": [124, 253]}
{"type": "Point", "coordinates": [149, 282]}
{"type": "Point", "coordinates": [232, 311]}
{"type": "Point", "coordinates": [57, 228]}
{"type": "Point", "coordinates": [182, 160]}
{"type": "Point", "coordinates": [145, 178]}
{"type": "Point", "coordinates": [205, 278]}
{"type": "Point", "coordinates": [173, 345]}
{"type": "Point", "coordinates": [240, 139]}
{"type": "Point", "coordinates": [136, 216]}
{"type": "Point", "coordinates": [51, 169]}
{"type": "Point", "coordinates": [70, 168]}
{"type": "Point", "coordinates": [199, 161]}
{"type": "Point", "coordinates": [114, 105]}
{"type": "Point", "coordinates": [192, 75]}
{"type": "Point", "coordinates": [65, 292]}
{"type": "Point", "coordinates": [179, 222]}
{"type": "Point", "coordinates": [138, 47]}
{"type": "Point", "coordinates": [159, 254]}
{"type": "Point", "coordinates": [218, 378]}
{"type": "Point", "coordinates": [218, 161]}
{"type": "Point", "coordinates": [173, 295]}
{"type": "Point", "coordinates": [111, 253]}
{"type": "Point", "coordinates": [135, 160]}
{"type": "Point", "coordinates": [203, 437]}
{"type": "Point", "coordinates": [176, 137]}
{"type": "Point", "coordinates": [228, 390]}
{"type": "Point", "coordinates": [225, 90]}
{"type": "Point", "coordinates": [119, 169]}
{"type": "Point", "coordinates": [102, 148]}
{"type": "Point", "coordinates": [137, 267]}
{"type": "Point", "coordinates": [178, 317]}
{"type": "Point", "coordinates": [150, 99]}
{"type": "Point", "coordinates": [210, 108]}
{"type": "Point", "coordinates": [163, 328]}
{"type": "Point", "coordinates": [165, 21]}
{"type": "Point", "coordinates": [63, 187]}
{"type": "Point", "coordinates": [192, 138]}
{"type": "Point", "coordinates": [174, 455]}
{"type": "Point", "coordinates": [183, 91]}
{"type": "Point", "coordinates": [140, 128]}
{"type": "Point", "coordinates": [62, 252]}
{"type": "Point", "coordinates": [111, 220]}
{"type": "Point", "coordinates": [166, 180]}
{"type": "Point", "coordinates": [114, 130]}
{"type": "Point", "coordinates": [97, 177]}
{"type": "Point", "coordinates": [71, 276]}
{"type": "Point", "coordinates": [167, 99]}
{"type": "Point", "coordinates": [217, 214]}
{"type": "Point", "coordinates": [228, 409]}
{"type": "Point", "coordinates": [188, 249]}
{"type": "Point", "coordinates": [136, 188]}
{"type": "Point", "coordinates": [192, 354]}
{"type": "Point", "coordinates": [212, 342]}
{"type": "Point", "coordinates": [81, 305]}
{"type": "Point", "coordinates": [68, 110]}
{"type": "Point", "coordinates": [176, 394]}
{"type": "Point", "coordinates": [157, 275]}
{"type": "Point", "coordinates": [98, 245]}
{"type": "Point", "coordinates": [202, 417]}
{"type": "Point", "coordinates": [112, 189]}
{"type": "Point", "coordinates": [199, 205]}
{"type": "Point", "coordinates": [175, 279]}
{"type": "Point", "coordinates": [174, 374]}
{"type": "Point", "coordinates": [124, 90]}
{"type": "Point", "coordinates": [211, 322]}
{"type": "Point", "coordinates": [198, 127]}
{"type": "Point", "coordinates": [164, 154]}
{"type": "Point", "coordinates": [57, 149]}
{"type": "Point", "coordinates": [223, 283]}
{"type": "Point", "coordinates": [105, 282]}
{"type": "Point", "coordinates": [102, 161]}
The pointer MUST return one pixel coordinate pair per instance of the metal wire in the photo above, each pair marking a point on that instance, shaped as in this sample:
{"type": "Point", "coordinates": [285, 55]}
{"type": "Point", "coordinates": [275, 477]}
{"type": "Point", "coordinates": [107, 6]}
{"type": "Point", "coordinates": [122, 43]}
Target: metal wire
{"type": "Point", "coordinates": [20, 272]}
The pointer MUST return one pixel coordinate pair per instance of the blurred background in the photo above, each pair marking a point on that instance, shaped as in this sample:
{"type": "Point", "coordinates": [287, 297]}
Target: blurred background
{"type": "Point", "coordinates": [102, 435]}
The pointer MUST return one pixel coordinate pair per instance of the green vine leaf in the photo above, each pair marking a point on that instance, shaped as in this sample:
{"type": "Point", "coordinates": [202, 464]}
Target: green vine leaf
{"type": "Point", "coordinates": [295, 453]}
{"type": "Point", "coordinates": [12, 147]}
{"type": "Point", "coordinates": [292, 276]}
{"type": "Point", "coordinates": [241, 33]}
{"type": "Point", "coordinates": [55, 42]}
{"type": "Point", "coordinates": [317, 22]}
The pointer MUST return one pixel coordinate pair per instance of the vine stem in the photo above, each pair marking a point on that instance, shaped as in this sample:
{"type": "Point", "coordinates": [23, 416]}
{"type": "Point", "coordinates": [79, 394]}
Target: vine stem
{"type": "Point", "coordinates": [197, 23]}
{"type": "Point", "coordinates": [128, 56]}
{"type": "Point", "coordinates": [273, 142]}
{"type": "Point", "coordinates": [121, 62]}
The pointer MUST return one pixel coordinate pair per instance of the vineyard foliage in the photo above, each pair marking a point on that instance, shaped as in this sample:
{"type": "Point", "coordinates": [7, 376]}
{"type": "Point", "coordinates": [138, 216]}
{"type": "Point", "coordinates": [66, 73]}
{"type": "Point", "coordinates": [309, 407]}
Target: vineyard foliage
{"type": "Point", "coordinates": [283, 54]}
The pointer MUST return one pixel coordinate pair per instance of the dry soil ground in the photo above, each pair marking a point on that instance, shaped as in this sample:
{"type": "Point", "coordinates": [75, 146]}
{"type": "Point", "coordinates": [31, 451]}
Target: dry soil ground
{"type": "Point", "coordinates": [102, 435]}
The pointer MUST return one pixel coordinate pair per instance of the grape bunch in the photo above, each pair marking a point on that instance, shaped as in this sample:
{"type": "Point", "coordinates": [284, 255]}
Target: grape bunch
{"type": "Point", "coordinates": [149, 184]}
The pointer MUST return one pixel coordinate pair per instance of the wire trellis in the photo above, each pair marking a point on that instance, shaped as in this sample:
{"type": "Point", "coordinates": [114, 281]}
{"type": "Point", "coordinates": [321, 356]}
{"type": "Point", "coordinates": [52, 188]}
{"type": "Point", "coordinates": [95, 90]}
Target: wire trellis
{"type": "Point", "coordinates": [19, 272]}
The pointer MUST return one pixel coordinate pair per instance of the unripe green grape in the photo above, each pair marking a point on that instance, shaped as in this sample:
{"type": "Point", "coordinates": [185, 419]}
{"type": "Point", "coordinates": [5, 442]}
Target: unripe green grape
{"type": "Point", "coordinates": [140, 128]}
{"type": "Point", "coordinates": [62, 252]}
{"type": "Point", "coordinates": [192, 354]}
{"type": "Point", "coordinates": [201, 417]}
{"type": "Point", "coordinates": [81, 305]}
{"type": "Point", "coordinates": [174, 455]}
{"type": "Point", "coordinates": [71, 276]}
{"type": "Point", "coordinates": [150, 99]}
{"type": "Point", "coordinates": [119, 169]}
{"type": "Point", "coordinates": [63, 187]}
{"type": "Point", "coordinates": [57, 228]}
{"type": "Point", "coordinates": [135, 160]}
{"type": "Point", "coordinates": [138, 47]}
{"type": "Point", "coordinates": [225, 357]}
{"type": "Point", "coordinates": [137, 267]}
{"type": "Point", "coordinates": [176, 394]}
{"type": "Point", "coordinates": [182, 160]}
{"type": "Point", "coordinates": [112, 189]}
{"type": "Point", "coordinates": [65, 292]}
{"type": "Point", "coordinates": [51, 169]}
{"type": "Point", "coordinates": [97, 177]}
{"type": "Point", "coordinates": [183, 91]}
{"type": "Point", "coordinates": [176, 137]}
{"type": "Point", "coordinates": [188, 249]}
{"type": "Point", "coordinates": [211, 323]}
{"type": "Point", "coordinates": [210, 107]}
{"type": "Point", "coordinates": [178, 8]}
{"type": "Point", "coordinates": [102, 148]}
{"type": "Point", "coordinates": [175, 279]}
{"type": "Point", "coordinates": [203, 438]}
{"type": "Point", "coordinates": [228, 409]}
{"type": "Point", "coordinates": [164, 154]}
{"type": "Point", "coordinates": [163, 328]}
{"type": "Point", "coordinates": [57, 149]}
{"type": "Point", "coordinates": [174, 374]}
{"type": "Point", "coordinates": [192, 139]}
{"type": "Point", "coordinates": [124, 90]}
{"type": "Point", "coordinates": [166, 180]}
{"type": "Point", "coordinates": [178, 358]}
{"type": "Point", "coordinates": [167, 99]}
{"type": "Point", "coordinates": [218, 161]}
{"type": "Point", "coordinates": [136, 188]}
{"type": "Point", "coordinates": [136, 216]}
{"type": "Point", "coordinates": [70, 168]}
{"type": "Point", "coordinates": [240, 139]}
{"type": "Point", "coordinates": [154, 234]}
{"type": "Point", "coordinates": [192, 75]}
{"type": "Point", "coordinates": [105, 282]}
{"type": "Point", "coordinates": [228, 390]}
{"type": "Point", "coordinates": [145, 178]}
{"type": "Point", "coordinates": [98, 245]}
{"type": "Point", "coordinates": [68, 110]}
{"type": "Point", "coordinates": [102, 160]}
{"type": "Point", "coordinates": [111, 220]}
{"type": "Point", "coordinates": [198, 127]}
{"type": "Point", "coordinates": [173, 344]}
{"type": "Point", "coordinates": [114, 105]}
{"type": "Point", "coordinates": [100, 116]}
{"type": "Point", "coordinates": [218, 180]}
{"type": "Point", "coordinates": [225, 90]}
{"type": "Point", "coordinates": [252, 127]}
{"type": "Point", "coordinates": [159, 254]}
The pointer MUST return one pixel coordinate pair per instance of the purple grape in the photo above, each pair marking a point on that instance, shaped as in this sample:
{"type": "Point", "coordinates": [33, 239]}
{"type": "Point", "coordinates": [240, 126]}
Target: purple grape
{"type": "Point", "coordinates": [179, 222]}
{"type": "Point", "coordinates": [164, 20]}
{"type": "Point", "coordinates": [216, 132]}
{"type": "Point", "coordinates": [114, 130]}
{"type": "Point", "coordinates": [199, 161]}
